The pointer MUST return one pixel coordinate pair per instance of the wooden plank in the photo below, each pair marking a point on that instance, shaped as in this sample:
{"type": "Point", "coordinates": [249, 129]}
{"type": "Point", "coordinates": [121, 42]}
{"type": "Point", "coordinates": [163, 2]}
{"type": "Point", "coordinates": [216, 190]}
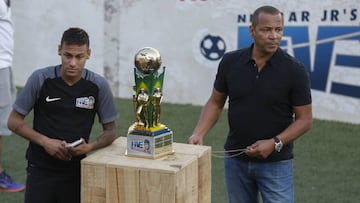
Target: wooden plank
{"type": "Point", "coordinates": [123, 185]}
{"type": "Point", "coordinates": [95, 190]}
{"type": "Point", "coordinates": [156, 187]}
{"type": "Point", "coordinates": [204, 171]}
{"type": "Point", "coordinates": [205, 177]}
{"type": "Point", "coordinates": [112, 194]}
{"type": "Point", "coordinates": [187, 184]}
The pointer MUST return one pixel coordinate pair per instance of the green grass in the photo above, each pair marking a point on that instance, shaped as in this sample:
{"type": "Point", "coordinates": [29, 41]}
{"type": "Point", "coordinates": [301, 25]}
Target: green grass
{"type": "Point", "coordinates": [326, 165]}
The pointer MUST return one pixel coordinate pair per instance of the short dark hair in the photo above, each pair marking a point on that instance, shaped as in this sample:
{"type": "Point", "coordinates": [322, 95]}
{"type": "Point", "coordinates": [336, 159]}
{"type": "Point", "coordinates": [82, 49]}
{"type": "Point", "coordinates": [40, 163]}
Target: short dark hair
{"type": "Point", "coordinates": [264, 9]}
{"type": "Point", "coordinates": [75, 35]}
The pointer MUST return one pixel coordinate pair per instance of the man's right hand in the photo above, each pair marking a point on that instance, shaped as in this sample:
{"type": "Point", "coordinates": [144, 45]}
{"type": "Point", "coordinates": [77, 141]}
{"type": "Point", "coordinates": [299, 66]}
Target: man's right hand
{"type": "Point", "coordinates": [57, 149]}
{"type": "Point", "coordinates": [195, 139]}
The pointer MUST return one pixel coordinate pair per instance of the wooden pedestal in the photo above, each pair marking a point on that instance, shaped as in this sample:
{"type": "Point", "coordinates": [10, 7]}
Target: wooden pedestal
{"type": "Point", "coordinates": [108, 175]}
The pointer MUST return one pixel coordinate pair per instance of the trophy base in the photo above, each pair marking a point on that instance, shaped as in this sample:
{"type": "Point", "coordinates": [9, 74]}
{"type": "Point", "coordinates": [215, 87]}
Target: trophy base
{"type": "Point", "coordinates": [149, 144]}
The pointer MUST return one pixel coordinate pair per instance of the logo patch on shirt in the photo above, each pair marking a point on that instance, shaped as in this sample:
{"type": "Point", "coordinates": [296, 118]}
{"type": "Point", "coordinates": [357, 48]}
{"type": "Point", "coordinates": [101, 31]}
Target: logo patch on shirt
{"type": "Point", "coordinates": [48, 99]}
{"type": "Point", "coordinates": [85, 102]}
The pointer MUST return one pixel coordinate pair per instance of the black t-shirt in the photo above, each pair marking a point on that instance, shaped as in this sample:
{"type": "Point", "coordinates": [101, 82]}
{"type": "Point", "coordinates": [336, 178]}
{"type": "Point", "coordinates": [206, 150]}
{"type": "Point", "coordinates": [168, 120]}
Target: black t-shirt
{"type": "Point", "coordinates": [260, 103]}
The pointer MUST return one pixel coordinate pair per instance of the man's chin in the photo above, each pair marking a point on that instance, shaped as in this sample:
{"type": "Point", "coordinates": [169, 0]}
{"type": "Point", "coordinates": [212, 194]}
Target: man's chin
{"type": "Point", "coordinates": [271, 49]}
{"type": "Point", "coordinates": [72, 73]}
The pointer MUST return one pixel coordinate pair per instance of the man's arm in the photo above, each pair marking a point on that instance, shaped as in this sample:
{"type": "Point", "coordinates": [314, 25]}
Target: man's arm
{"type": "Point", "coordinates": [105, 139]}
{"type": "Point", "coordinates": [54, 147]}
{"type": "Point", "coordinates": [208, 117]}
{"type": "Point", "coordinates": [302, 123]}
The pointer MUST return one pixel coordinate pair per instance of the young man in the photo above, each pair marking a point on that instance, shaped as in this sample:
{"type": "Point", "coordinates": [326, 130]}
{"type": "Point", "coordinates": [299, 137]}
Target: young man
{"type": "Point", "coordinates": [7, 87]}
{"type": "Point", "coordinates": [65, 100]}
{"type": "Point", "coordinates": [269, 108]}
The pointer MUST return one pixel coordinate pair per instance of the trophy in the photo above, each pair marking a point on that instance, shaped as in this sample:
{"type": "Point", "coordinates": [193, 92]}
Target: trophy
{"type": "Point", "coordinates": [147, 137]}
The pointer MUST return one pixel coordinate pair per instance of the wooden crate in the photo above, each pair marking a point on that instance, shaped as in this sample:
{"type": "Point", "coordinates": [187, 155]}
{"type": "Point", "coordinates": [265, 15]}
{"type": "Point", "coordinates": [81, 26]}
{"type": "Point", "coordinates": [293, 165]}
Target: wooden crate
{"type": "Point", "coordinates": [108, 175]}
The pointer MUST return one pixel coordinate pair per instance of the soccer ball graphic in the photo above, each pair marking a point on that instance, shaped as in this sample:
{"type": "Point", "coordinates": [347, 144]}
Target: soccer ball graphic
{"type": "Point", "coordinates": [212, 47]}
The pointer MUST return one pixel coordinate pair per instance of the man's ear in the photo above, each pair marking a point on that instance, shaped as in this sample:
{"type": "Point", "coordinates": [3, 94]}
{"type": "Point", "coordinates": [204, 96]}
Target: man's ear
{"type": "Point", "coordinates": [251, 30]}
{"type": "Point", "coordinates": [59, 50]}
{"type": "Point", "coordinates": [88, 53]}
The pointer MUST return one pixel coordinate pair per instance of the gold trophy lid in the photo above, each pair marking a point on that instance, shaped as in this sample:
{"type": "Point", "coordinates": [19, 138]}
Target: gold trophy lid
{"type": "Point", "coordinates": [147, 58]}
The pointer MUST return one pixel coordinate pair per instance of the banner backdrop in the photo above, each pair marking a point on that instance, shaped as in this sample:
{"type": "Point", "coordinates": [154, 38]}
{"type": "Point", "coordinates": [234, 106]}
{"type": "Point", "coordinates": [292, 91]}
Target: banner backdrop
{"type": "Point", "coordinates": [39, 25]}
{"type": "Point", "coordinates": [193, 35]}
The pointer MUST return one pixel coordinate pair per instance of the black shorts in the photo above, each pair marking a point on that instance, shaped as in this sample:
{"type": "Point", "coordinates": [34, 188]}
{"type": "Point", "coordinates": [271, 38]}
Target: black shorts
{"type": "Point", "coordinates": [51, 186]}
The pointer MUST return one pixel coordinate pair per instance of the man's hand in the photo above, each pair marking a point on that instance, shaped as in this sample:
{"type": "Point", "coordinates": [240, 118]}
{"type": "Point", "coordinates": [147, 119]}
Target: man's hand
{"type": "Point", "coordinates": [261, 149]}
{"type": "Point", "coordinates": [57, 149]}
{"type": "Point", "coordinates": [79, 149]}
{"type": "Point", "coordinates": [195, 139]}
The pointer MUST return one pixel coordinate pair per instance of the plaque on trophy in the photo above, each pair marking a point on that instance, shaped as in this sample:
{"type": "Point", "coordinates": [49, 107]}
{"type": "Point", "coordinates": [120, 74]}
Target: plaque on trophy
{"type": "Point", "coordinates": [148, 137]}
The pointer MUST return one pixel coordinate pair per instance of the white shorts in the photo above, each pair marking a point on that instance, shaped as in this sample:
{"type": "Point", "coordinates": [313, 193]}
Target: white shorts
{"type": "Point", "coordinates": [8, 95]}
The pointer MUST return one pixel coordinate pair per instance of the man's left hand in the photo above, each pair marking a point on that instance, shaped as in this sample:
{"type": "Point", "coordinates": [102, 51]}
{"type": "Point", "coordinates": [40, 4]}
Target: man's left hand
{"type": "Point", "coordinates": [261, 149]}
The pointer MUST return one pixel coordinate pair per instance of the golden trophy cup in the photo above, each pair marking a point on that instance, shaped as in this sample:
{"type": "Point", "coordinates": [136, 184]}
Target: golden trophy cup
{"type": "Point", "coordinates": [147, 137]}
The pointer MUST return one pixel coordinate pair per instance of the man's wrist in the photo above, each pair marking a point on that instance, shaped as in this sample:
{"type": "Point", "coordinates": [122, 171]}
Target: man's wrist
{"type": "Point", "coordinates": [278, 144]}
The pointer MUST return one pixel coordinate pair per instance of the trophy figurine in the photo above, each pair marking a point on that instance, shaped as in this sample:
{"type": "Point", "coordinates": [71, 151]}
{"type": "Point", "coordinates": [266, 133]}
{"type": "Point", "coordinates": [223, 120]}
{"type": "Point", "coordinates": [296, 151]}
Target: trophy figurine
{"type": "Point", "coordinates": [147, 137]}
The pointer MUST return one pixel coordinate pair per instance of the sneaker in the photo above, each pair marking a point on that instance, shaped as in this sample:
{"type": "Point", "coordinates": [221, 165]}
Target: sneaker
{"type": "Point", "coordinates": [8, 185]}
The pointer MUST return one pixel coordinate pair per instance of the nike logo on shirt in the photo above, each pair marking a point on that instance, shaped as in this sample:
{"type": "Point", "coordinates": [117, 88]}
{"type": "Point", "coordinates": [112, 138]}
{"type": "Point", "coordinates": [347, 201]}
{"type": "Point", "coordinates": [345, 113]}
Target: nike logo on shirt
{"type": "Point", "coordinates": [48, 99]}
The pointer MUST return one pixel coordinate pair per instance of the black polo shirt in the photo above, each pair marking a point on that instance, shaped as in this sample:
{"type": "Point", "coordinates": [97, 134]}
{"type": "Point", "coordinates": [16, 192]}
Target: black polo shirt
{"type": "Point", "coordinates": [260, 103]}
